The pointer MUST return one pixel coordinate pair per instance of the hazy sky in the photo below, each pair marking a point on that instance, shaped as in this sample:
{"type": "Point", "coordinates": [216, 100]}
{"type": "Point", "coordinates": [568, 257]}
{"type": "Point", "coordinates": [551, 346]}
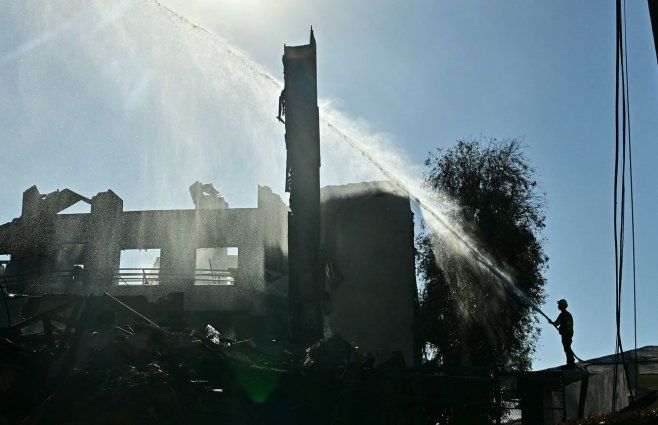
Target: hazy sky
{"type": "Point", "coordinates": [99, 95]}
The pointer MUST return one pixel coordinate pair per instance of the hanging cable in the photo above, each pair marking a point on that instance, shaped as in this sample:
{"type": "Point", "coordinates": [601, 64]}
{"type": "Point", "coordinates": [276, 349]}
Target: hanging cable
{"type": "Point", "coordinates": [630, 172]}
{"type": "Point", "coordinates": [616, 185]}
{"type": "Point", "coordinates": [622, 143]}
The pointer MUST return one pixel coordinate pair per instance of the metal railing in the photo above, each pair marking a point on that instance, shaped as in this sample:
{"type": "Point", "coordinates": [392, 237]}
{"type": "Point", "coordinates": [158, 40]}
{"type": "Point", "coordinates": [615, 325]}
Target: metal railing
{"type": "Point", "coordinates": [153, 276]}
{"type": "Point", "coordinates": [123, 276]}
{"type": "Point", "coordinates": [137, 276]}
{"type": "Point", "coordinates": [213, 277]}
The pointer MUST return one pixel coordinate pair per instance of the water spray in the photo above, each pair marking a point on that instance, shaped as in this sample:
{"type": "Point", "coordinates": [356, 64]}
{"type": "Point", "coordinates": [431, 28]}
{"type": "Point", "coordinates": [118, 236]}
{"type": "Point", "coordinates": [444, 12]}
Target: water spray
{"type": "Point", "coordinates": [437, 218]}
{"type": "Point", "coordinates": [414, 195]}
{"type": "Point", "coordinates": [411, 188]}
{"type": "Point", "coordinates": [480, 257]}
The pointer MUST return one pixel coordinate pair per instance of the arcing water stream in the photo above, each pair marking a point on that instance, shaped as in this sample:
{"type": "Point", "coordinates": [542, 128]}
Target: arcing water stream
{"type": "Point", "coordinates": [195, 87]}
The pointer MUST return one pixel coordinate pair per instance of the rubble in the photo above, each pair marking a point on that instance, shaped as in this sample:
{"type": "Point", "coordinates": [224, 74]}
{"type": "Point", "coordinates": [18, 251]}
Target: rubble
{"type": "Point", "coordinates": [642, 417]}
{"type": "Point", "coordinates": [93, 369]}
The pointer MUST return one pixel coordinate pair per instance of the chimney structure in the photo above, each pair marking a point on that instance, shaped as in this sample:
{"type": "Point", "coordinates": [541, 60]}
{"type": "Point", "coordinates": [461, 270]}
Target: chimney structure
{"type": "Point", "coordinates": [298, 104]}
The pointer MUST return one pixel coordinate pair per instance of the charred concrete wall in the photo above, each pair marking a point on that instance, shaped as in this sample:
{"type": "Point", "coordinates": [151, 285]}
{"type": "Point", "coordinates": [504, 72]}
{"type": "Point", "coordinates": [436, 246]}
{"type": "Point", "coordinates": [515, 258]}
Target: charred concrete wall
{"type": "Point", "coordinates": [367, 248]}
{"type": "Point", "coordinates": [43, 244]}
{"type": "Point", "coordinates": [368, 239]}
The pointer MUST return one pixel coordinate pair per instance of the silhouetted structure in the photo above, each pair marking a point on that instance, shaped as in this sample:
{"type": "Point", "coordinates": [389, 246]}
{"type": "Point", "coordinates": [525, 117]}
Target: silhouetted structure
{"type": "Point", "coordinates": [46, 247]}
{"type": "Point", "coordinates": [360, 236]}
{"type": "Point", "coordinates": [368, 244]}
{"type": "Point", "coordinates": [299, 105]}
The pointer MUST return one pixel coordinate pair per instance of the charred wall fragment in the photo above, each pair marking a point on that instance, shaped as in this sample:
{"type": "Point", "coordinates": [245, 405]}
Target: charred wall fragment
{"type": "Point", "coordinates": [371, 295]}
{"type": "Point", "coordinates": [33, 237]}
{"type": "Point", "coordinates": [80, 253]}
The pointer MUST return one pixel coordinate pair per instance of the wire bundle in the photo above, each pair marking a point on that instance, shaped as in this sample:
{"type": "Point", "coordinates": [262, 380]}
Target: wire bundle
{"type": "Point", "coordinates": [623, 163]}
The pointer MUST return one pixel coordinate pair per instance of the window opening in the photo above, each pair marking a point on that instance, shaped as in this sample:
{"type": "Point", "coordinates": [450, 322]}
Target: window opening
{"type": "Point", "coordinates": [139, 267]}
{"type": "Point", "coordinates": [216, 266]}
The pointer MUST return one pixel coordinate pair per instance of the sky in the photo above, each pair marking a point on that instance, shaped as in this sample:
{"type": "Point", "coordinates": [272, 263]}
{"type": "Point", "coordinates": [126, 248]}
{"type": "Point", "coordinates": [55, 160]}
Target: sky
{"type": "Point", "coordinates": [125, 95]}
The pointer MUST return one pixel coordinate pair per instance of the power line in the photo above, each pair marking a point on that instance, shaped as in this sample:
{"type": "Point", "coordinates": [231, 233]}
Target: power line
{"type": "Point", "coordinates": [630, 170]}
{"type": "Point", "coordinates": [622, 122]}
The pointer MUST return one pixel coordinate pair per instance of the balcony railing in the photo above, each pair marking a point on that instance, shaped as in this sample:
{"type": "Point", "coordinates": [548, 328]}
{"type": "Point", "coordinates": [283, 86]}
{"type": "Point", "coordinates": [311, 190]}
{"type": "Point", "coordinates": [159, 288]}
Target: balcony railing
{"type": "Point", "coordinates": [153, 276]}
{"type": "Point", "coordinates": [137, 276]}
{"type": "Point", "coordinates": [123, 276]}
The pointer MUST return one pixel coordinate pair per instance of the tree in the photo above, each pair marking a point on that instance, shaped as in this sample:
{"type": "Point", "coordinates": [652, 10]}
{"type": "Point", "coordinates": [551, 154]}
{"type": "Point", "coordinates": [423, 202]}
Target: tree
{"type": "Point", "coordinates": [473, 321]}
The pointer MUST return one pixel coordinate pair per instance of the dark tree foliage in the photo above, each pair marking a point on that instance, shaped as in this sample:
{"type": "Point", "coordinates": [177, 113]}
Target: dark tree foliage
{"type": "Point", "coordinates": [474, 322]}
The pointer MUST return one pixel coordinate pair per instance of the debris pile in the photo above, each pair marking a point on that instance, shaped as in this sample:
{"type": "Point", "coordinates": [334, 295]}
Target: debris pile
{"type": "Point", "coordinates": [641, 417]}
{"type": "Point", "coordinates": [84, 366]}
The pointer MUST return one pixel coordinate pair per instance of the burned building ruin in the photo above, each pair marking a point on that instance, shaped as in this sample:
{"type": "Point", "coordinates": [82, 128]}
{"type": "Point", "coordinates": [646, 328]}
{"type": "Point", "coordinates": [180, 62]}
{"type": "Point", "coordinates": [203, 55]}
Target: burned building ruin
{"type": "Point", "coordinates": [337, 261]}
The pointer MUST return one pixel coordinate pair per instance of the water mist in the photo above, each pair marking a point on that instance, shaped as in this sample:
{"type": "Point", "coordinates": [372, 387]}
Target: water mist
{"type": "Point", "coordinates": [173, 103]}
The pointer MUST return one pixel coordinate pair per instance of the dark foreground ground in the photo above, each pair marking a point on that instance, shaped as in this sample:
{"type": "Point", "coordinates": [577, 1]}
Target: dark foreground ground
{"type": "Point", "coordinates": [81, 368]}
{"type": "Point", "coordinates": [644, 417]}
{"type": "Point", "coordinates": [96, 360]}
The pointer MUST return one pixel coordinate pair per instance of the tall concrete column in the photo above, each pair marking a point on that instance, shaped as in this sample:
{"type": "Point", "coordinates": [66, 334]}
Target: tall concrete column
{"type": "Point", "coordinates": [299, 105]}
{"type": "Point", "coordinates": [103, 248]}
